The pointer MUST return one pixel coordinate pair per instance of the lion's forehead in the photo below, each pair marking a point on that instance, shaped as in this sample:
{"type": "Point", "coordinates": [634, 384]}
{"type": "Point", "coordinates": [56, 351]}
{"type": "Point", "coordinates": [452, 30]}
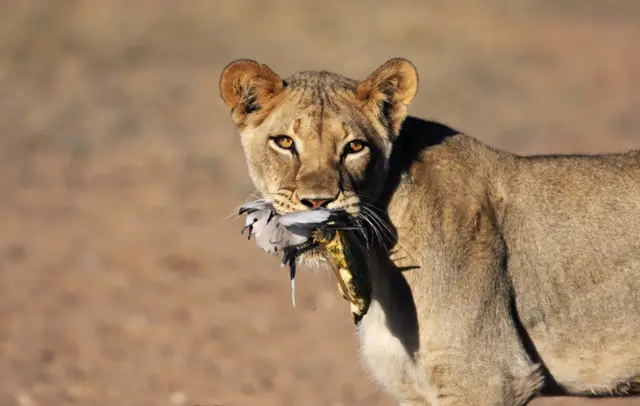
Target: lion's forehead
{"type": "Point", "coordinates": [320, 91]}
{"type": "Point", "coordinates": [320, 80]}
{"type": "Point", "coordinates": [319, 120]}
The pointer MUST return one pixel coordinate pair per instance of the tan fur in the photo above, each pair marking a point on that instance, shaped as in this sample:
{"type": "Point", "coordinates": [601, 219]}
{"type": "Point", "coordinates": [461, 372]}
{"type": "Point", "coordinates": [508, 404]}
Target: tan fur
{"type": "Point", "coordinates": [493, 274]}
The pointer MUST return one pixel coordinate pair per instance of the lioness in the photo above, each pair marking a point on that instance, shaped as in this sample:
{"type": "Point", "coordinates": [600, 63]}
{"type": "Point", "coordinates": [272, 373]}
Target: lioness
{"type": "Point", "coordinates": [495, 276]}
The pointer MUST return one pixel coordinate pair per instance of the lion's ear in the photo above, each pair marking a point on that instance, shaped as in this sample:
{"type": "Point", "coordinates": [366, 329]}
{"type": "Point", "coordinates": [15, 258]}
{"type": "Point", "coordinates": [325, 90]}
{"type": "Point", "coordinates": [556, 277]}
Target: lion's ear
{"type": "Point", "coordinates": [388, 91]}
{"type": "Point", "coordinates": [246, 86]}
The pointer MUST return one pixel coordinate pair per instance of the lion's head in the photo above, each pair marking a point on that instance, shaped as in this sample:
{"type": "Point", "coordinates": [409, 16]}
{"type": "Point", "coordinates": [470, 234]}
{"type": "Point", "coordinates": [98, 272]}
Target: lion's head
{"type": "Point", "coordinates": [317, 139]}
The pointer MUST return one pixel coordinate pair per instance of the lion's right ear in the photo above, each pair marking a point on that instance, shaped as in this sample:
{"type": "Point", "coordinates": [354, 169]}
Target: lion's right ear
{"type": "Point", "coordinates": [247, 86]}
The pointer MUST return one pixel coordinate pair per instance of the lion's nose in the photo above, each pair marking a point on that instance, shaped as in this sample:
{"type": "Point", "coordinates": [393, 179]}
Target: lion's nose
{"type": "Point", "coordinates": [317, 202]}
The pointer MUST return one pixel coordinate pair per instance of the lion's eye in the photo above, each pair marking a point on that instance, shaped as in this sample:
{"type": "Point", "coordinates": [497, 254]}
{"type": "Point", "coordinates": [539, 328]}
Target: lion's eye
{"type": "Point", "coordinates": [283, 141]}
{"type": "Point", "coordinates": [354, 146]}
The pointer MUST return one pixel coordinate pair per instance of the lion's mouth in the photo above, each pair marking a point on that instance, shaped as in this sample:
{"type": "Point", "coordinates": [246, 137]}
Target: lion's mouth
{"type": "Point", "coordinates": [314, 237]}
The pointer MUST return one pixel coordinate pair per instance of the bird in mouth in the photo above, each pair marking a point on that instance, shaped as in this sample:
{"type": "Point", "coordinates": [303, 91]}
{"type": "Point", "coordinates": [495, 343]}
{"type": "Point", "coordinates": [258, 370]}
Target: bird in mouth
{"type": "Point", "coordinates": [298, 233]}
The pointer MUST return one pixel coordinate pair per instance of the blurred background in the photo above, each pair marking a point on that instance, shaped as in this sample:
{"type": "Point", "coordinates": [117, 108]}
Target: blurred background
{"type": "Point", "coordinates": [124, 278]}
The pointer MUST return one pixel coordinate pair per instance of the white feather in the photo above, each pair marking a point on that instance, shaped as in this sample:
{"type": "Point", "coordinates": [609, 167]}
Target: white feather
{"type": "Point", "coordinates": [305, 219]}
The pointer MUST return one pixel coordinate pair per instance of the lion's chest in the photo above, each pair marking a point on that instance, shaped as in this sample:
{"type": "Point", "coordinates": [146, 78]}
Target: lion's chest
{"type": "Point", "coordinates": [386, 357]}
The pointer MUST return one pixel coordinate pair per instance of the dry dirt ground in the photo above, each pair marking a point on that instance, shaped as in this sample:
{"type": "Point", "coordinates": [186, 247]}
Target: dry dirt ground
{"type": "Point", "coordinates": [123, 280]}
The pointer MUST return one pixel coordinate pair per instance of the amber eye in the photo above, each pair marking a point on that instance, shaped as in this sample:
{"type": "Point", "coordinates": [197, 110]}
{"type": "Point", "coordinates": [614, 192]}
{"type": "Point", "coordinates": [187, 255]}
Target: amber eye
{"type": "Point", "coordinates": [283, 141]}
{"type": "Point", "coordinates": [354, 146]}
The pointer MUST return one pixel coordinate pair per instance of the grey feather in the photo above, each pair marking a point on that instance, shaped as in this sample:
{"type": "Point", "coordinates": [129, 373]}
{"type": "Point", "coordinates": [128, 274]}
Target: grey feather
{"type": "Point", "coordinates": [271, 236]}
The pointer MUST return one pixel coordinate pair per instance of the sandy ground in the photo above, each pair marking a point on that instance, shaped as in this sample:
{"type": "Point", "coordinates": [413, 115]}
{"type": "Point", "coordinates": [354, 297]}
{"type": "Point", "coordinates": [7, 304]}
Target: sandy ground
{"type": "Point", "coordinates": [125, 281]}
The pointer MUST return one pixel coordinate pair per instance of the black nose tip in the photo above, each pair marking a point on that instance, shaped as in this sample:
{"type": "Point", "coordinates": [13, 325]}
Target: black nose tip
{"type": "Point", "coordinates": [316, 203]}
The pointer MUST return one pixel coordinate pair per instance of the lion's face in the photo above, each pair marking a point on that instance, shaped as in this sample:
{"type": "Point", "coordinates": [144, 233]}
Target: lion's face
{"type": "Point", "coordinates": [318, 139]}
{"type": "Point", "coordinates": [307, 155]}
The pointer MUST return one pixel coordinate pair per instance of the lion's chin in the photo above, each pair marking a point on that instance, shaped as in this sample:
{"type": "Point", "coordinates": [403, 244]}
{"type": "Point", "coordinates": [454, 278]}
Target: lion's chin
{"type": "Point", "coordinates": [314, 258]}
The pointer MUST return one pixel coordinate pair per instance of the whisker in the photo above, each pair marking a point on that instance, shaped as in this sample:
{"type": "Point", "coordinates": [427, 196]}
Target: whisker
{"type": "Point", "coordinates": [381, 223]}
{"type": "Point", "coordinates": [363, 231]}
{"type": "Point", "coordinates": [382, 231]}
{"type": "Point", "coordinates": [384, 228]}
{"type": "Point", "coordinates": [373, 206]}
{"type": "Point", "coordinates": [374, 228]}
{"type": "Point", "coordinates": [345, 228]}
{"type": "Point", "coordinates": [368, 233]}
{"type": "Point", "coordinates": [234, 211]}
{"type": "Point", "coordinates": [378, 219]}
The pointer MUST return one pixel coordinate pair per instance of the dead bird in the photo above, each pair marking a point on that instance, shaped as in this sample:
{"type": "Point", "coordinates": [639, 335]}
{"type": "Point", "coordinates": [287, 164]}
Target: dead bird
{"type": "Point", "coordinates": [296, 232]}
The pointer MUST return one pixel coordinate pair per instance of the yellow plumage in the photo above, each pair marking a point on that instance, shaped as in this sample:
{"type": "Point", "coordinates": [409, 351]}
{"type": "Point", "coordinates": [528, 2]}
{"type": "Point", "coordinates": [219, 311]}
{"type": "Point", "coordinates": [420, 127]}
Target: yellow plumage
{"type": "Point", "coordinates": [350, 267]}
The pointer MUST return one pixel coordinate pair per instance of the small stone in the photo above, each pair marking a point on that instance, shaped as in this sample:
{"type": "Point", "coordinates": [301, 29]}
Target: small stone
{"type": "Point", "coordinates": [23, 399]}
{"type": "Point", "coordinates": [177, 398]}
{"type": "Point", "coordinates": [136, 325]}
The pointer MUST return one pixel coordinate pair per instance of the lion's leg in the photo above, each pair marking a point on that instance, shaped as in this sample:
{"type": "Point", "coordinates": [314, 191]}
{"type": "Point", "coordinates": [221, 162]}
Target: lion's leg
{"type": "Point", "coordinates": [460, 381]}
{"type": "Point", "coordinates": [474, 365]}
{"type": "Point", "coordinates": [470, 348]}
{"type": "Point", "coordinates": [472, 353]}
{"type": "Point", "coordinates": [480, 367]}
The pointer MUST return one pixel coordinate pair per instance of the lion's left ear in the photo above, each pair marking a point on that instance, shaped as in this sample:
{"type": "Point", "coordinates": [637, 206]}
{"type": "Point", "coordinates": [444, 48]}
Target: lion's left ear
{"type": "Point", "coordinates": [247, 87]}
{"type": "Point", "coordinates": [388, 91]}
